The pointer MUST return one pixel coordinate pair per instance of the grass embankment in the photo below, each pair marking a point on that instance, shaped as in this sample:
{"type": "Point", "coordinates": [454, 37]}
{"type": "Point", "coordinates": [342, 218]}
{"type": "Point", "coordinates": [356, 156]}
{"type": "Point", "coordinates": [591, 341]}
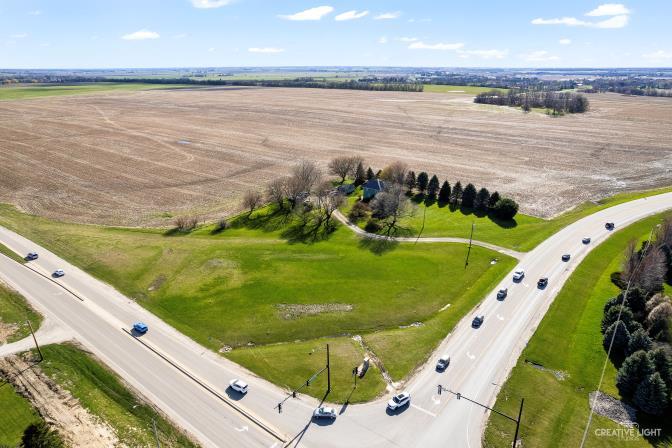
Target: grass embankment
{"type": "Point", "coordinates": [102, 393]}
{"type": "Point", "coordinates": [16, 414]}
{"type": "Point", "coordinates": [523, 233]}
{"type": "Point", "coordinates": [15, 311]}
{"type": "Point", "coordinates": [264, 282]}
{"type": "Point", "coordinates": [468, 90]}
{"type": "Point", "coordinates": [568, 340]}
{"type": "Point", "coordinates": [4, 250]}
{"type": "Point", "coordinates": [23, 92]}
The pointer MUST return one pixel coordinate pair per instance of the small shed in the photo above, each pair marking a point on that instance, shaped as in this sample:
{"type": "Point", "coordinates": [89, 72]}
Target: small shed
{"type": "Point", "coordinates": [372, 187]}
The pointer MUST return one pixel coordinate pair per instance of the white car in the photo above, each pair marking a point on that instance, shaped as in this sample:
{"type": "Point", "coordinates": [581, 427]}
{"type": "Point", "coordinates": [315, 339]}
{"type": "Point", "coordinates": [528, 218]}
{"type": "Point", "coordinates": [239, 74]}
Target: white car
{"type": "Point", "coordinates": [443, 362]}
{"type": "Point", "coordinates": [399, 401]}
{"type": "Point", "coordinates": [518, 275]}
{"type": "Point", "coordinates": [325, 412]}
{"type": "Point", "coordinates": [238, 385]}
{"type": "Point", "coordinates": [58, 273]}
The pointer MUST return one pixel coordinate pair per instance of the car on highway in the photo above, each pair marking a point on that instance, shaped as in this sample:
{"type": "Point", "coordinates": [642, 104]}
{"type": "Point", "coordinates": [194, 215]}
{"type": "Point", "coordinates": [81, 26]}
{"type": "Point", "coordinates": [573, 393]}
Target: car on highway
{"type": "Point", "coordinates": [502, 293]}
{"type": "Point", "coordinates": [31, 256]}
{"type": "Point", "coordinates": [324, 412]}
{"type": "Point", "coordinates": [399, 401]}
{"type": "Point", "coordinates": [238, 385]}
{"type": "Point", "coordinates": [542, 283]}
{"type": "Point", "coordinates": [58, 273]}
{"type": "Point", "coordinates": [478, 321]}
{"type": "Point", "coordinates": [566, 257]}
{"type": "Point", "coordinates": [518, 275]}
{"type": "Point", "coordinates": [442, 363]}
{"type": "Point", "coordinates": [140, 327]}
{"type": "Point", "coordinates": [586, 240]}
{"type": "Point", "coordinates": [609, 226]}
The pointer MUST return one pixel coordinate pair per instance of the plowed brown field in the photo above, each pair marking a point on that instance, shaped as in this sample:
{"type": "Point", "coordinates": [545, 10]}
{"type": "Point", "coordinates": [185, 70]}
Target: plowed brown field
{"type": "Point", "coordinates": [135, 158]}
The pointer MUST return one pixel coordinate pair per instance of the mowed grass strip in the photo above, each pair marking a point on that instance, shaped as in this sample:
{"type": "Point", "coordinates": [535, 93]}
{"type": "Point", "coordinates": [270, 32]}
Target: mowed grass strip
{"type": "Point", "coordinates": [16, 414]}
{"type": "Point", "coordinates": [568, 341]}
{"type": "Point", "coordinates": [15, 312]}
{"type": "Point", "coordinates": [523, 233]}
{"type": "Point", "coordinates": [103, 394]}
{"type": "Point", "coordinates": [23, 92]}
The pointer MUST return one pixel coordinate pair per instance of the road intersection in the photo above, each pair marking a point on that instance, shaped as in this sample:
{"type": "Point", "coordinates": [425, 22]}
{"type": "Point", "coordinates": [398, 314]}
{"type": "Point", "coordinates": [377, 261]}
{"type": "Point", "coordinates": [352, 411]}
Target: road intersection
{"type": "Point", "coordinates": [188, 382]}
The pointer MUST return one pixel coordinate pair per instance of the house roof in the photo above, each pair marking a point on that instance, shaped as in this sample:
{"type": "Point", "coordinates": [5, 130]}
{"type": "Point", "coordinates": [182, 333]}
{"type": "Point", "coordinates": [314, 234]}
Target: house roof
{"type": "Point", "coordinates": [374, 184]}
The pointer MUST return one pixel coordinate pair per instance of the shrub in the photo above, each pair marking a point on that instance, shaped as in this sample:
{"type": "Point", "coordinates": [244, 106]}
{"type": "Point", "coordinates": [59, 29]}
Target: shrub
{"type": "Point", "coordinates": [186, 223]}
{"type": "Point", "coordinates": [39, 435]}
{"type": "Point", "coordinates": [373, 226]}
{"type": "Point", "coordinates": [221, 225]}
{"type": "Point", "coordinates": [506, 209]}
{"type": "Point", "coordinates": [359, 211]}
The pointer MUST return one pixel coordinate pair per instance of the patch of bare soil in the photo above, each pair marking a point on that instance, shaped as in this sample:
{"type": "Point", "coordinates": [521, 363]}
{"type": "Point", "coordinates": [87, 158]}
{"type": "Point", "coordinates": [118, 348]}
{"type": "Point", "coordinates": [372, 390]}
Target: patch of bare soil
{"type": "Point", "coordinates": [121, 158]}
{"type": "Point", "coordinates": [6, 330]}
{"type": "Point", "coordinates": [57, 406]}
{"type": "Point", "coordinates": [613, 409]}
{"type": "Point", "coordinates": [295, 311]}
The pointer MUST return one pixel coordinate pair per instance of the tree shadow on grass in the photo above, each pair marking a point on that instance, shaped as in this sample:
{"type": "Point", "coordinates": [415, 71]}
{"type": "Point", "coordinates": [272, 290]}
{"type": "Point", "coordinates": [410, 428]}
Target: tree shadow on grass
{"type": "Point", "coordinates": [378, 246]}
{"type": "Point", "coordinates": [504, 223]}
{"type": "Point", "coordinates": [306, 232]}
{"type": "Point", "coordinates": [270, 219]}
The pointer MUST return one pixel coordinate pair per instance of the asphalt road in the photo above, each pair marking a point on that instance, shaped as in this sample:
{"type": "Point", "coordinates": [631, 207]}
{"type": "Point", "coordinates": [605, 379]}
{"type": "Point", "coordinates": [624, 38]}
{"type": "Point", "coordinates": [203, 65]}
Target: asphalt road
{"type": "Point", "coordinates": [189, 383]}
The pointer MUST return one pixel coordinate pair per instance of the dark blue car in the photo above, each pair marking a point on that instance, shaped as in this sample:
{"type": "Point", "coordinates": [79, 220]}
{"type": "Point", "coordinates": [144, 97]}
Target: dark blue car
{"type": "Point", "coordinates": [140, 327]}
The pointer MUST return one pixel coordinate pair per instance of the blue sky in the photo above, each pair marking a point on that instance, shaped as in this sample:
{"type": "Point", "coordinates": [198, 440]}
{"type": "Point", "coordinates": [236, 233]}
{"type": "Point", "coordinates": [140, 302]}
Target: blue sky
{"type": "Point", "coordinates": [437, 33]}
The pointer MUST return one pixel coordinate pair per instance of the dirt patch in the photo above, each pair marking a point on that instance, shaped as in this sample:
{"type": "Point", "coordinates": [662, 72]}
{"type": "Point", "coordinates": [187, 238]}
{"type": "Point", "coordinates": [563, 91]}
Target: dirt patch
{"type": "Point", "coordinates": [613, 409]}
{"type": "Point", "coordinates": [157, 282]}
{"type": "Point", "coordinates": [120, 158]}
{"type": "Point", "coordinates": [6, 330]}
{"type": "Point", "coordinates": [290, 311]}
{"type": "Point", "coordinates": [558, 374]}
{"type": "Point", "coordinates": [57, 406]}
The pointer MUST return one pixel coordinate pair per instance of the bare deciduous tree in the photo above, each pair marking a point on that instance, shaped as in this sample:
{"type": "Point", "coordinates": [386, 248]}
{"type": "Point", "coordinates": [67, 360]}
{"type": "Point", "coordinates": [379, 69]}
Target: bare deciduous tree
{"type": "Point", "coordinates": [276, 190]}
{"type": "Point", "coordinates": [251, 200]}
{"type": "Point", "coordinates": [186, 223]}
{"type": "Point", "coordinates": [390, 205]}
{"type": "Point", "coordinates": [328, 200]}
{"type": "Point", "coordinates": [344, 166]}
{"type": "Point", "coordinates": [395, 173]}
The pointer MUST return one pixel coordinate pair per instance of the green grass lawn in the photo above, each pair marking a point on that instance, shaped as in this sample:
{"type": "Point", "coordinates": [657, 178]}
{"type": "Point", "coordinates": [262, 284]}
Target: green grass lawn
{"type": "Point", "coordinates": [522, 234]}
{"type": "Point", "coordinates": [235, 288]}
{"type": "Point", "coordinates": [104, 395]}
{"type": "Point", "coordinates": [4, 250]}
{"type": "Point", "coordinates": [42, 90]}
{"type": "Point", "coordinates": [15, 310]}
{"type": "Point", "coordinates": [568, 340]}
{"type": "Point", "coordinates": [468, 90]}
{"type": "Point", "coordinates": [16, 414]}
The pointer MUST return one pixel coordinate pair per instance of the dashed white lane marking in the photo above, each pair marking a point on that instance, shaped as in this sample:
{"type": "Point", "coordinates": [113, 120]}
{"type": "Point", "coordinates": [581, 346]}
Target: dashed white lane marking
{"type": "Point", "coordinates": [500, 317]}
{"type": "Point", "coordinates": [242, 428]}
{"type": "Point", "coordinates": [436, 400]}
{"type": "Point", "coordinates": [431, 414]}
{"type": "Point", "coordinates": [470, 356]}
{"type": "Point", "coordinates": [527, 285]}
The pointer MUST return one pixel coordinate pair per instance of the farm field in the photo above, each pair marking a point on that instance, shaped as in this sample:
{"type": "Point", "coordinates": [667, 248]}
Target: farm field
{"type": "Point", "coordinates": [144, 157]}
{"type": "Point", "coordinates": [23, 92]}
{"type": "Point", "coordinates": [467, 90]}
{"type": "Point", "coordinates": [568, 343]}
{"type": "Point", "coordinates": [264, 282]}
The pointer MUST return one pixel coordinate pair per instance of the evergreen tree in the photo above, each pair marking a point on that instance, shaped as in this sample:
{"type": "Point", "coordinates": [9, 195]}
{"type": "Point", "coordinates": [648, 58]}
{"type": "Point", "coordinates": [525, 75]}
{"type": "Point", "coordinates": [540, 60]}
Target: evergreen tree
{"type": "Point", "coordinates": [469, 196]}
{"type": "Point", "coordinates": [612, 315]}
{"type": "Point", "coordinates": [621, 339]}
{"type": "Point", "coordinates": [506, 209]}
{"type": "Point", "coordinates": [410, 181]}
{"type": "Point", "coordinates": [378, 174]}
{"type": "Point", "coordinates": [494, 198]}
{"type": "Point", "coordinates": [639, 340]}
{"type": "Point", "coordinates": [651, 395]}
{"type": "Point", "coordinates": [614, 301]}
{"type": "Point", "coordinates": [635, 369]}
{"type": "Point", "coordinates": [433, 187]}
{"type": "Point", "coordinates": [456, 195]}
{"type": "Point", "coordinates": [369, 174]}
{"type": "Point", "coordinates": [39, 435]}
{"type": "Point", "coordinates": [444, 193]}
{"type": "Point", "coordinates": [482, 199]}
{"type": "Point", "coordinates": [423, 181]}
{"type": "Point", "coordinates": [360, 175]}
{"type": "Point", "coordinates": [663, 365]}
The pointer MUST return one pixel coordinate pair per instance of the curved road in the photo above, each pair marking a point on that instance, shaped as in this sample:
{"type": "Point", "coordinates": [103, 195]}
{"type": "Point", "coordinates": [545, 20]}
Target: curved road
{"type": "Point", "coordinates": [189, 383]}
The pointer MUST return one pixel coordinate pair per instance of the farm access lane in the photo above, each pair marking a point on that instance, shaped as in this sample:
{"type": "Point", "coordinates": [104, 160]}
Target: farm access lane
{"type": "Point", "coordinates": [481, 359]}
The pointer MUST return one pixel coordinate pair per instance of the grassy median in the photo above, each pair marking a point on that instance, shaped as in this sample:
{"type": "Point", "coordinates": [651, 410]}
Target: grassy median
{"type": "Point", "coordinates": [568, 345]}
{"type": "Point", "coordinates": [14, 313]}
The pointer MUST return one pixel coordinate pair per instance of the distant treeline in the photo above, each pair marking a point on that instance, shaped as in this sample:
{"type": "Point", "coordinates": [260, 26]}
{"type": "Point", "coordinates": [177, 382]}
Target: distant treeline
{"type": "Point", "coordinates": [379, 84]}
{"type": "Point", "coordinates": [499, 82]}
{"type": "Point", "coordinates": [633, 86]}
{"type": "Point", "coordinates": [557, 102]}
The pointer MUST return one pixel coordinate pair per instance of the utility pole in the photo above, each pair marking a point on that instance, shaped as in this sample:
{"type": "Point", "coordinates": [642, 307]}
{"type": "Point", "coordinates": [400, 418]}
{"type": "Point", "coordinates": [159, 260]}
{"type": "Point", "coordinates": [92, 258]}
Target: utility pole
{"type": "Point", "coordinates": [471, 238]}
{"type": "Point", "coordinates": [516, 421]}
{"type": "Point", "coordinates": [35, 339]}
{"type": "Point", "coordinates": [328, 372]}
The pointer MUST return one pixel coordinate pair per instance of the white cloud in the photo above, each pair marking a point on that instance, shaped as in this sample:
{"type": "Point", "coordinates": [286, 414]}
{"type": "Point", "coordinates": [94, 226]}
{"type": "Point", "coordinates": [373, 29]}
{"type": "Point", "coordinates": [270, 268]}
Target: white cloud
{"type": "Point", "coordinates": [36, 12]}
{"type": "Point", "coordinates": [388, 15]}
{"type": "Point", "coordinates": [484, 54]}
{"type": "Point", "coordinates": [310, 14]}
{"type": "Point", "coordinates": [614, 22]}
{"type": "Point", "coordinates": [265, 50]}
{"type": "Point", "coordinates": [408, 39]}
{"type": "Point", "coordinates": [19, 36]}
{"type": "Point", "coordinates": [659, 55]}
{"type": "Point", "coordinates": [211, 49]}
{"type": "Point", "coordinates": [565, 41]}
{"type": "Point", "coordinates": [539, 56]}
{"type": "Point", "coordinates": [209, 4]}
{"type": "Point", "coordinates": [609, 9]}
{"type": "Point", "coordinates": [351, 15]}
{"type": "Point", "coordinates": [438, 46]}
{"type": "Point", "coordinates": [141, 35]}
{"type": "Point", "coordinates": [382, 40]}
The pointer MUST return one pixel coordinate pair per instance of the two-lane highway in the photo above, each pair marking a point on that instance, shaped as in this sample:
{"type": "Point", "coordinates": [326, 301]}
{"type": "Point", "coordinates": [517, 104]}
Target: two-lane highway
{"type": "Point", "coordinates": [191, 387]}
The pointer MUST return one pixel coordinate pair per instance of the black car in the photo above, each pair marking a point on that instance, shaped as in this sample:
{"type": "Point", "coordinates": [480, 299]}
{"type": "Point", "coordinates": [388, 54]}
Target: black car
{"type": "Point", "coordinates": [502, 293]}
{"type": "Point", "coordinates": [586, 241]}
{"type": "Point", "coordinates": [566, 257]}
{"type": "Point", "coordinates": [31, 256]}
{"type": "Point", "coordinates": [478, 321]}
{"type": "Point", "coordinates": [609, 226]}
{"type": "Point", "coordinates": [542, 283]}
